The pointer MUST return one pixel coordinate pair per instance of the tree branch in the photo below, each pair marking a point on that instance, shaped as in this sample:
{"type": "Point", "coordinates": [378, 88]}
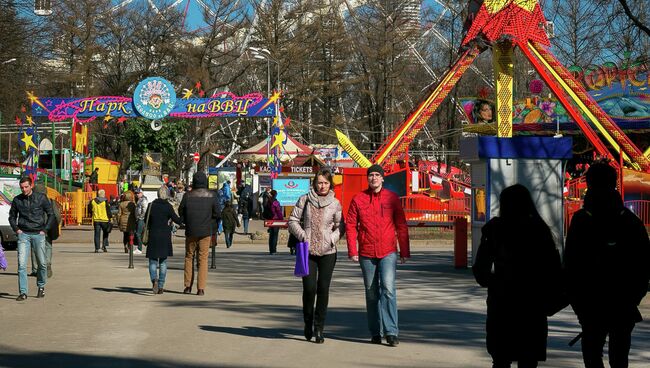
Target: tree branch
{"type": "Point", "coordinates": [633, 18]}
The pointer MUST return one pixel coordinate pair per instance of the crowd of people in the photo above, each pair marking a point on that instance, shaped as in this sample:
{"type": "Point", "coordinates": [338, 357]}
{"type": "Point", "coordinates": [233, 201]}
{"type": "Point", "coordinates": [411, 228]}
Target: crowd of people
{"type": "Point", "coordinates": [604, 277]}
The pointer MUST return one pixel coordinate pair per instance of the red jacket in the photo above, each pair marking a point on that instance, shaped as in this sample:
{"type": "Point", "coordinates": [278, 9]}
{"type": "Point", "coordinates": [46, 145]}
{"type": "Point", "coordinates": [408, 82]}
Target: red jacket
{"type": "Point", "coordinates": [377, 222]}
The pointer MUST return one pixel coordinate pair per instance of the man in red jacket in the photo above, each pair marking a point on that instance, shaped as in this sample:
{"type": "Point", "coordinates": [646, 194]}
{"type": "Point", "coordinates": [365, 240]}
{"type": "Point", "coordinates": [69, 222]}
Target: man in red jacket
{"type": "Point", "coordinates": [376, 222]}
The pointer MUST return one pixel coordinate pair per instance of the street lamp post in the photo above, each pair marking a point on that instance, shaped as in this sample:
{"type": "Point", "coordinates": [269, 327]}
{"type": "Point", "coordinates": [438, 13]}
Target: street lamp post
{"type": "Point", "coordinates": [264, 54]}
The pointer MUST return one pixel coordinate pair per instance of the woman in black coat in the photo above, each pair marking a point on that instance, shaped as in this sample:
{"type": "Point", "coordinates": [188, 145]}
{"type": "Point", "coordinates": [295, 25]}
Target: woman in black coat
{"type": "Point", "coordinates": [519, 264]}
{"type": "Point", "coordinates": [159, 245]}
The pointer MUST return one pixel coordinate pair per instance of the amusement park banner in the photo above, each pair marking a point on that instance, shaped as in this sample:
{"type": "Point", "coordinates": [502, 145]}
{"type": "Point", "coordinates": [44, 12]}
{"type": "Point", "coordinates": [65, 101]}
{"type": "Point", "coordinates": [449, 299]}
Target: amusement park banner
{"type": "Point", "coordinates": [154, 98]}
{"type": "Point", "coordinates": [251, 105]}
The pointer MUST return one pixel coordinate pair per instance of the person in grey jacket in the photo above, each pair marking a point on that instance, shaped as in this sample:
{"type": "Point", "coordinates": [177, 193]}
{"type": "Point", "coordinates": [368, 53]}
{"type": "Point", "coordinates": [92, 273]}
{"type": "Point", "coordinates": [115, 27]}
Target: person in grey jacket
{"type": "Point", "coordinates": [317, 219]}
{"type": "Point", "coordinates": [31, 216]}
{"type": "Point", "coordinates": [140, 211]}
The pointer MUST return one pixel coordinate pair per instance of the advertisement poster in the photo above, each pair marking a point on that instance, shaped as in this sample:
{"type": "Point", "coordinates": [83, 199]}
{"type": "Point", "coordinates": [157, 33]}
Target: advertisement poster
{"type": "Point", "coordinates": [289, 190]}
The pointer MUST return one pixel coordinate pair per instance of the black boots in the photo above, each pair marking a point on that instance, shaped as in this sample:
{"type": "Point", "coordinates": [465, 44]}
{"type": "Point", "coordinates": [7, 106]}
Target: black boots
{"type": "Point", "coordinates": [319, 335]}
{"type": "Point", "coordinates": [308, 332]}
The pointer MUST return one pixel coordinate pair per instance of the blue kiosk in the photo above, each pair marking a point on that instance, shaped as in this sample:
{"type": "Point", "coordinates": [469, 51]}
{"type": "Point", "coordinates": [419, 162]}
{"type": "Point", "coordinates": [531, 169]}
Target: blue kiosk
{"type": "Point", "coordinates": [535, 162]}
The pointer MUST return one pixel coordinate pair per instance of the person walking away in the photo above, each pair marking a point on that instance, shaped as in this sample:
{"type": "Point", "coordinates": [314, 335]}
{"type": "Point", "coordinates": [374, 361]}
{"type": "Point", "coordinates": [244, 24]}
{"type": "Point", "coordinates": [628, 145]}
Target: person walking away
{"type": "Point", "coordinates": [51, 235]}
{"type": "Point", "coordinates": [159, 246]}
{"type": "Point", "coordinates": [199, 211]}
{"type": "Point", "coordinates": [607, 264]}
{"type": "Point", "coordinates": [126, 221]}
{"type": "Point", "coordinates": [230, 222]}
{"type": "Point", "coordinates": [275, 211]}
{"type": "Point", "coordinates": [317, 219]}
{"type": "Point", "coordinates": [263, 201]}
{"type": "Point", "coordinates": [518, 262]}
{"type": "Point", "coordinates": [101, 220]}
{"type": "Point", "coordinates": [93, 179]}
{"type": "Point", "coordinates": [140, 210]}
{"type": "Point", "coordinates": [245, 209]}
{"type": "Point", "coordinates": [375, 224]}
{"type": "Point", "coordinates": [31, 216]}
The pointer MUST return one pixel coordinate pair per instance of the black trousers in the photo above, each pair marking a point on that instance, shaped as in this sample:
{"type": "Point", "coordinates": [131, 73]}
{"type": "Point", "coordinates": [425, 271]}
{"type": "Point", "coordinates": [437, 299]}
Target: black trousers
{"type": "Point", "coordinates": [316, 286]}
{"type": "Point", "coordinates": [104, 229]}
{"type": "Point", "coordinates": [507, 364]}
{"type": "Point", "coordinates": [593, 340]}
{"type": "Point", "coordinates": [273, 239]}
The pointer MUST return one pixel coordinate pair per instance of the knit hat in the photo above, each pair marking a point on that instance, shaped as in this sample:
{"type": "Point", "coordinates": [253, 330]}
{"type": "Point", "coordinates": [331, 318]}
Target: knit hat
{"type": "Point", "coordinates": [199, 180]}
{"type": "Point", "coordinates": [375, 169]}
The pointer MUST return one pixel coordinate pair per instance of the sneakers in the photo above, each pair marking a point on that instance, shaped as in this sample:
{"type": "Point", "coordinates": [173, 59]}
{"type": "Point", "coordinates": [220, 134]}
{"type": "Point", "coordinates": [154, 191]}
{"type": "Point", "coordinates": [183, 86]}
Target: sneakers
{"type": "Point", "coordinates": [41, 293]}
{"type": "Point", "coordinates": [21, 297]}
{"type": "Point", "coordinates": [392, 340]}
{"type": "Point", "coordinates": [137, 251]}
{"type": "Point", "coordinates": [154, 288]}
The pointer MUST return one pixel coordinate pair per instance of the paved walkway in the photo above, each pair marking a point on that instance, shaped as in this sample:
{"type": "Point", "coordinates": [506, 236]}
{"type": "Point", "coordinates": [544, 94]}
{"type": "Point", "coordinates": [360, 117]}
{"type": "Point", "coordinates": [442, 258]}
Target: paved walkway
{"type": "Point", "coordinates": [99, 313]}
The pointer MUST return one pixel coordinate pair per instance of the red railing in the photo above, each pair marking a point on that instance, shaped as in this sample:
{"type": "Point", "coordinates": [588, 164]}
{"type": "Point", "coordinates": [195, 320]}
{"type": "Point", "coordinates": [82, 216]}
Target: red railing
{"type": "Point", "coordinates": [426, 211]}
{"type": "Point", "coordinates": [638, 207]}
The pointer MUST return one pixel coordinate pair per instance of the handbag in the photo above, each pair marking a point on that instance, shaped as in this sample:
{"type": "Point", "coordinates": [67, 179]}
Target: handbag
{"type": "Point", "coordinates": [302, 260]}
{"type": "Point", "coordinates": [145, 232]}
{"type": "Point", "coordinates": [3, 259]}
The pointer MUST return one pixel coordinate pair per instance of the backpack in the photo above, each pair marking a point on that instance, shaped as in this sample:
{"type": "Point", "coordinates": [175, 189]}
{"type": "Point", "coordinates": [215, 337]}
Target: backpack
{"type": "Point", "coordinates": [267, 214]}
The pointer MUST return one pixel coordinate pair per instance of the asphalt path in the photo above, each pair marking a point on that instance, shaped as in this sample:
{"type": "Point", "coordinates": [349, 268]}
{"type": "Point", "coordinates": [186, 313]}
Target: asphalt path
{"type": "Point", "coordinates": [99, 313]}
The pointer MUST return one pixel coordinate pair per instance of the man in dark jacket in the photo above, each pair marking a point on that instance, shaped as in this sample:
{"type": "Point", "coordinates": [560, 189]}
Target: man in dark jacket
{"type": "Point", "coordinates": [31, 216]}
{"type": "Point", "coordinates": [199, 211]}
{"type": "Point", "coordinates": [607, 260]}
{"type": "Point", "coordinates": [376, 223]}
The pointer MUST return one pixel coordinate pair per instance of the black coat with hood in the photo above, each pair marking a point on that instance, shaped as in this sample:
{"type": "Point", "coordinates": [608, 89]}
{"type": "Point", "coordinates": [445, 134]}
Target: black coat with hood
{"type": "Point", "coordinates": [607, 260]}
{"type": "Point", "coordinates": [199, 209]}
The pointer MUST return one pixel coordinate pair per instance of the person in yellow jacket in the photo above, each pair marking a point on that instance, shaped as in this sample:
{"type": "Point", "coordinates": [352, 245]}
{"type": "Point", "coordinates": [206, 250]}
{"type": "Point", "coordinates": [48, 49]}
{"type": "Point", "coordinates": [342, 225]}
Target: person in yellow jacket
{"type": "Point", "coordinates": [101, 219]}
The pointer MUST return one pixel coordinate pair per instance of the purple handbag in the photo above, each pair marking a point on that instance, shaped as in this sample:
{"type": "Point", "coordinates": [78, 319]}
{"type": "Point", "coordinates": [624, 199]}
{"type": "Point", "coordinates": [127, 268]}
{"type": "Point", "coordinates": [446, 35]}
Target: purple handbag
{"type": "Point", "coordinates": [302, 260]}
{"type": "Point", "coordinates": [3, 259]}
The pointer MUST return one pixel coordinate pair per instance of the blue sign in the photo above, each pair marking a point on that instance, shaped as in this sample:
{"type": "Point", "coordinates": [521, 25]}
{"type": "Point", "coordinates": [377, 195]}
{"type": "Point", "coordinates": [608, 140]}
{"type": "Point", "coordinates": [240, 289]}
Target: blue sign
{"type": "Point", "coordinates": [154, 98]}
{"type": "Point", "coordinates": [289, 190]}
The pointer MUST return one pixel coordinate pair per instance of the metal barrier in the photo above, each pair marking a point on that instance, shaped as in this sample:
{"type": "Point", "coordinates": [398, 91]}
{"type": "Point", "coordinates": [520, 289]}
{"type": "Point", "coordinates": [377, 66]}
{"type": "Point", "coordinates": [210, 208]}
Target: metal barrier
{"type": "Point", "coordinates": [77, 212]}
{"type": "Point", "coordinates": [638, 207]}
{"type": "Point", "coordinates": [424, 211]}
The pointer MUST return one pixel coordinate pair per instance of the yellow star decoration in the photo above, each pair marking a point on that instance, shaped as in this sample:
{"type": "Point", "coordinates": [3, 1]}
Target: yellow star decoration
{"type": "Point", "coordinates": [187, 93]}
{"type": "Point", "coordinates": [107, 118]}
{"type": "Point", "coordinates": [278, 139]}
{"type": "Point", "coordinates": [29, 120]}
{"type": "Point", "coordinates": [28, 141]}
{"type": "Point", "coordinates": [33, 99]}
{"type": "Point", "coordinates": [495, 6]}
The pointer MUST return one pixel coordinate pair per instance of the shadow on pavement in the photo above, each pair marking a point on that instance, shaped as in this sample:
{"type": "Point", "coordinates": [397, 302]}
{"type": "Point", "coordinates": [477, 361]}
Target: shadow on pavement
{"type": "Point", "coordinates": [252, 331]}
{"type": "Point", "coordinates": [126, 289]}
{"type": "Point", "coordinates": [54, 360]}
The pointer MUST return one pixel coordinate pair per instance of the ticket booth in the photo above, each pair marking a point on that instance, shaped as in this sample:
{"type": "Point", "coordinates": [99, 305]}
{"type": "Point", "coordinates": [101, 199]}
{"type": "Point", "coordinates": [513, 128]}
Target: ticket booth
{"type": "Point", "coordinates": [538, 163]}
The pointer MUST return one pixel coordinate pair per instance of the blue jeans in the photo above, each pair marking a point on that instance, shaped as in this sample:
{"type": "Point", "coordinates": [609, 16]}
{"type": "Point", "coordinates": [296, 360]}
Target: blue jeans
{"type": "Point", "coordinates": [381, 296]}
{"type": "Point", "coordinates": [138, 233]}
{"type": "Point", "coordinates": [246, 221]}
{"type": "Point", "coordinates": [155, 274]}
{"type": "Point", "coordinates": [25, 243]}
{"type": "Point", "coordinates": [228, 236]}
{"type": "Point", "coordinates": [48, 255]}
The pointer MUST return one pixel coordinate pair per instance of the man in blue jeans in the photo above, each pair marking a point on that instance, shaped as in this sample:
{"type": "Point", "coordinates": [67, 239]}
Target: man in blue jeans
{"type": "Point", "coordinates": [376, 222]}
{"type": "Point", "coordinates": [31, 216]}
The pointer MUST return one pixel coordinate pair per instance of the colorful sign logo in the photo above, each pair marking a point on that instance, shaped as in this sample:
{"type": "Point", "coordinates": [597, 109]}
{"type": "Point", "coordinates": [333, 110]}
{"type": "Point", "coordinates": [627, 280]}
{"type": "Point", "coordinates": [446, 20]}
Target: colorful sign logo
{"type": "Point", "coordinates": [154, 98]}
{"type": "Point", "coordinates": [289, 190]}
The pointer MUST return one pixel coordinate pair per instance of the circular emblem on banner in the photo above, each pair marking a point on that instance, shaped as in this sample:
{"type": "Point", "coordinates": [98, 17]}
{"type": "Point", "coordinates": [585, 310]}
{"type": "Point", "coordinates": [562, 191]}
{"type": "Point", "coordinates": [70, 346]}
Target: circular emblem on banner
{"type": "Point", "coordinates": [154, 98]}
